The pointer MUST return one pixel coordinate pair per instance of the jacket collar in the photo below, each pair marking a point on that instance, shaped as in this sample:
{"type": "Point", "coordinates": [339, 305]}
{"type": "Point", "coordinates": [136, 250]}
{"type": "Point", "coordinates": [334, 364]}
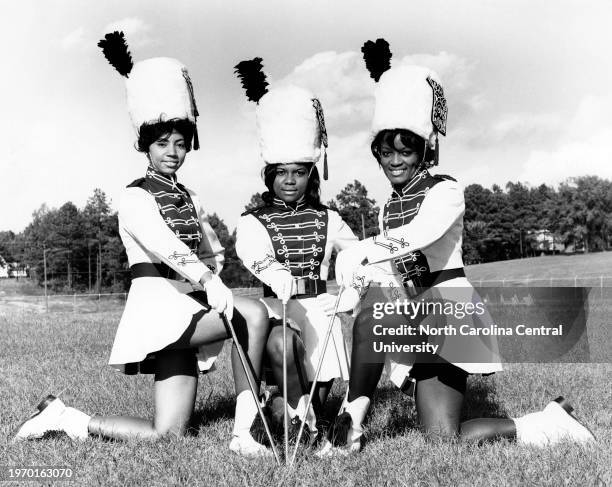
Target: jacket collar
{"type": "Point", "coordinates": [299, 205]}
{"type": "Point", "coordinates": [411, 184]}
{"type": "Point", "coordinates": [162, 179]}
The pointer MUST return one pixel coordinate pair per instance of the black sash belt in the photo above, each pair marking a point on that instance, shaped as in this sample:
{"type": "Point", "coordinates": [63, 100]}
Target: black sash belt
{"type": "Point", "coordinates": [439, 277]}
{"type": "Point", "coordinates": [306, 288]}
{"type": "Point", "coordinates": [421, 283]}
{"type": "Point", "coordinates": [148, 269]}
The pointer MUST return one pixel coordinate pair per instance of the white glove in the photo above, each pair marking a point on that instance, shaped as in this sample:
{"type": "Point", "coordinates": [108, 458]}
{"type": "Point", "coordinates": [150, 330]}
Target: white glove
{"type": "Point", "coordinates": [348, 300]}
{"type": "Point", "coordinates": [283, 285]}
{"type": "Point", "coordinates": [219, 296]}
{"type": "Point", "coordinates": [364, 275]}
{"type": "Point", "coordinates": [347, 263]}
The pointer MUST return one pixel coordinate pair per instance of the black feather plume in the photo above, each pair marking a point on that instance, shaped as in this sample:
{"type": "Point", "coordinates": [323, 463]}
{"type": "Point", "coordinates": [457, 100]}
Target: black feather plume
{"type": "Point", "coordinates": [116, 51]}
{"type": "Point", "coordinates": [377, 57]}
{"type": "Point", "coordinates": [253, 78]}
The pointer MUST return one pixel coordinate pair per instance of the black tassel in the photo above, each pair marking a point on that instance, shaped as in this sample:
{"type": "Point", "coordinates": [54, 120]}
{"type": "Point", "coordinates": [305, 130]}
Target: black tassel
{"type": "Point", "coordinates": [322, 132]}
{"type": "Point", "coordinates": [253, 78]}
{"type": "Point", "coordinates": [196, 139]}
{"type": "Point", "coordinates": [325, 166]}
{"type": "Point", "coordinates": [377, 56]}
{"type": "Point", "coordinates": [116, 51]}
{"type": "Point", "coordinates": [338, 433]}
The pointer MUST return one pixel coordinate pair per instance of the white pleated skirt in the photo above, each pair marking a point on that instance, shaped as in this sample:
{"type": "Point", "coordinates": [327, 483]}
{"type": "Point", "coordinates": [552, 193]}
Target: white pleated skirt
{"type": "Point", "coordinates": [313, 324]}
{"type": "Point", "coordinates": [156, 314]}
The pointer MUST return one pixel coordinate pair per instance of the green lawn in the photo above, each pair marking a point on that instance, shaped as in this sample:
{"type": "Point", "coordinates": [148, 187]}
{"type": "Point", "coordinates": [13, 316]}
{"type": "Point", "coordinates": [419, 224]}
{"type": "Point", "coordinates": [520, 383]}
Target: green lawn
{"type": "Point", "coordinates": [587, 269]}
{"type": "Point", "coordinates": [43, 353]}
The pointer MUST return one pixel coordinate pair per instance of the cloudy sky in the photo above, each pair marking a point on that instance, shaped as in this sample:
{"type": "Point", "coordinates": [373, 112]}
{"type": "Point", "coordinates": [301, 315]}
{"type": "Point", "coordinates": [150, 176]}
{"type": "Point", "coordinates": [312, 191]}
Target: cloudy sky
{"type": "Point", "coordinates": [529, 85]}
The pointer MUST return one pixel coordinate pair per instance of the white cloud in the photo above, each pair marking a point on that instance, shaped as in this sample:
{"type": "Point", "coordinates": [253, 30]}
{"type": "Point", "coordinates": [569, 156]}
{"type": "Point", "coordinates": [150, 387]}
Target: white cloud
{"type": "Point", "coordinates": [137, 31]}
{"type": "Point", "coordinates": [513, 128]}
{"type": "Point", "coordinates": [74, 39]}
{"type": "Point", "coordinates": [584, 148]}
{"type": "Point", "coordinates": [342, 84]}
{"type": "Point", "coordinates": [345, 88]}
{"type": "Point", "coordinates": [454, 71]}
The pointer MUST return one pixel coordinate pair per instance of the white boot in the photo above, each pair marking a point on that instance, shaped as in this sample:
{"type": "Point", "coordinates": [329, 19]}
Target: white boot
{"type": "Point", "coordinates": [551, 425]}
{"type": "Point", "coordinates": [351, 416]}
{"type": "Point", "coordinates": [242, 442]}
{"type": "Point", "coordinates": [53, 415]}
{"type": "Point", "coordinates": [300, 412]}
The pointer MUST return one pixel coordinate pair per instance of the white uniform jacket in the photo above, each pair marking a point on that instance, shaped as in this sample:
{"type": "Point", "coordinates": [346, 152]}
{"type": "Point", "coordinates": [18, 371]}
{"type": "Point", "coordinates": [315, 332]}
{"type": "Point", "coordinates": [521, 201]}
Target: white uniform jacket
{"type": "Point", "coordinates": [158, 310]}
{"type": "Point", "coordinates": [421, 233]}
{"type": "Point", "coordinates": [277, 239]}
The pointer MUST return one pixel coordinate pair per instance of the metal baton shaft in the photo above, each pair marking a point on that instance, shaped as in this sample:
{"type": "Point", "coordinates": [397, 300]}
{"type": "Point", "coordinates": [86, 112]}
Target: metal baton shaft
{"type": "Point", "coordinates": [247, 372]}
{"type": "Point", "coordinates": [285, 406]}
{"type": "Point", "coordinates": [316, 376]}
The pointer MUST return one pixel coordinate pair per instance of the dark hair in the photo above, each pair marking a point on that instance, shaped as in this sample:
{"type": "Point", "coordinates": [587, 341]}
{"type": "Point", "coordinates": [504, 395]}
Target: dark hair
{"type": "Point", "coordinates": [313, 188]}
{"type": "Point", "coordinates": [150, 132]}
{"type": "Point", "coordinates": [408, 138]}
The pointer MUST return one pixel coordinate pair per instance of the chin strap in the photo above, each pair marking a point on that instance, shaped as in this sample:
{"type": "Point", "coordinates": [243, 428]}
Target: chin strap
{"type": "Point", "coordinates": [436, 151]}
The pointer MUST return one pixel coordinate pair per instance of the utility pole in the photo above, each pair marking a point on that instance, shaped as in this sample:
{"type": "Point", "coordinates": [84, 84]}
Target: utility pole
{"type": "Point", "coordinates": [45, 276]}
{"type": "Point", "coordinates": [89, 265]}
{"type": "Point", "coordinates": [99, 286]}
{"type": "Point", "coordinates": [99, 254]}
{"type": "Point", "coordinates": [69, 273]}
{"type": "Point", "coordinates": [363, 226]}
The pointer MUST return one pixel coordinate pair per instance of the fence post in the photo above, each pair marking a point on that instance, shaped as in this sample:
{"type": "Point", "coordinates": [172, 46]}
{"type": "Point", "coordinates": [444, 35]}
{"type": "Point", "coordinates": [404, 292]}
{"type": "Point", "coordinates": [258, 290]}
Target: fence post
{"type": "Point", "coordinates": [575, 281]}
{"type": "Point", "coordinates": [74, 303]}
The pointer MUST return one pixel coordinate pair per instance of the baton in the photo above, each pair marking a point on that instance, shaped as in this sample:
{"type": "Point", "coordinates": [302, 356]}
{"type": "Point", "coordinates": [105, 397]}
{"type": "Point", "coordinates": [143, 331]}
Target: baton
{"type": "Point", "coordinates": [314, 382]}
{"type": "Point", "coordinates": [285, 408]}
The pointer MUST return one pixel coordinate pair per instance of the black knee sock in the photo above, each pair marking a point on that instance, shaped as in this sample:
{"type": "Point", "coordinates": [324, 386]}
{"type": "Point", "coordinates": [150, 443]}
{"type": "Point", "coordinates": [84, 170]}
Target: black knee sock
{"type": "Point", "coordinates": [364, 375]}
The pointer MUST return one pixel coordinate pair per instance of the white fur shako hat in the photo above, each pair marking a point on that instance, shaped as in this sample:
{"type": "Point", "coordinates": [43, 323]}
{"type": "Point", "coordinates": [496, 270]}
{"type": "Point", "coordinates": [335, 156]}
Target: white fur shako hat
{"type": "Point", "coordinates": [407, 97]}
{"type": "Point", "coordinates": [290, 121]}
{"type": "Point", "coordinates": [158, 89]}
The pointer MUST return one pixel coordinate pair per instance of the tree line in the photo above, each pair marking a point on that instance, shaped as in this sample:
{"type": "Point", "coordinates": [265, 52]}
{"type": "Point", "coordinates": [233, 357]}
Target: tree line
{"type": "Point", "coordinates": [505, 224]}
{"type": "Point", "coordinates": [80, 249]}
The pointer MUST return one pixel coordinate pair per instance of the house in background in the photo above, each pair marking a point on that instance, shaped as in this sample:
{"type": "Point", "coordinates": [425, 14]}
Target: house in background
{"type": "Point", "coordinates": [17, 269]}
{"type": "Point", "coordinates": [544, 242]}
{"type": "Point", "coordinates": [4, 268]}
{"type": "Point", "coordinates": [12, 269]}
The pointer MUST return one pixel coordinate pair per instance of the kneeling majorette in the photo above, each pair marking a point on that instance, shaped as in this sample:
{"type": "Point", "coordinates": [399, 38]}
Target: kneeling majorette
{"type": "Point", "coordinates": [178, 311]}
{"type": "Point", "coordinates": [418, 251]}
{"type": "Point", "coordinates": [288, 241]}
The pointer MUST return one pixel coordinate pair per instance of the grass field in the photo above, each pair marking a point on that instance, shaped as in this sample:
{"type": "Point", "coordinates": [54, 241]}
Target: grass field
{"type": "Point", "coordinates": [47, 352]}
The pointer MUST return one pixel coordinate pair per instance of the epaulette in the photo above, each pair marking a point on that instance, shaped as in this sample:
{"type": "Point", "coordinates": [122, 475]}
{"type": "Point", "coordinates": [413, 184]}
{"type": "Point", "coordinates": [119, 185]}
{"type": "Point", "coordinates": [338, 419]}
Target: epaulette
{"type": "Point", "coordinates": [253, 210]}
{"type": "Point", "coordinates": [444, 177]}
{"type": "Point", "coordinates": [137, 183]}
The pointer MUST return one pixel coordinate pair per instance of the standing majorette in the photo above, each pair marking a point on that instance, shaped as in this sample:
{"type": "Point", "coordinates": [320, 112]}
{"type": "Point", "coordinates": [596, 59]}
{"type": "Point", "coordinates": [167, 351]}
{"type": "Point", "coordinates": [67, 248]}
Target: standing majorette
{"type": "Point", "coordinates": [178, 310]}
{"type": "Point", "coordinates": [288, 241]}
{"type": "Point", "coordinates": [419, 244]}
